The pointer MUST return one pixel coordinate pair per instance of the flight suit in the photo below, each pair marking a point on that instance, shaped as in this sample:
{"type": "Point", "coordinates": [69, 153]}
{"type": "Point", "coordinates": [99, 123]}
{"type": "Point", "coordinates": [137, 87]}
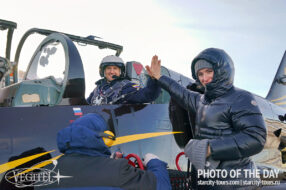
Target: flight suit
{"type": "Point", "coordinates": [123, 91]}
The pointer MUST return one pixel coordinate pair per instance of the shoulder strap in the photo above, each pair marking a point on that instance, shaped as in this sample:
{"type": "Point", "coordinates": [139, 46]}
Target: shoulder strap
{"type": "Point", "coordinates": [116, 88]}
{"type": "Point", "coordinates": [121, 96]}
{"type": "Point", "coordinates": [97, 97]}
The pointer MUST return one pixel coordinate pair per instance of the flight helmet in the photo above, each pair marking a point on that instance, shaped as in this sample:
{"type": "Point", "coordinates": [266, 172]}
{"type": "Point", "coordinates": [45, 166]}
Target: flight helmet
{"type": "Point", "coordinates": [112, 60]}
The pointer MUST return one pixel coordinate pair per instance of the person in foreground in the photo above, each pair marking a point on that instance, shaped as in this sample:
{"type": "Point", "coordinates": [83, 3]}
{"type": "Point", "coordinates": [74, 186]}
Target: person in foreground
{"type": "Point", "coordinates": [114, 88]}
{"type": "Point", "coordinates": [87, 160]}
{"type": "Point", "coordinates": [229, 127]}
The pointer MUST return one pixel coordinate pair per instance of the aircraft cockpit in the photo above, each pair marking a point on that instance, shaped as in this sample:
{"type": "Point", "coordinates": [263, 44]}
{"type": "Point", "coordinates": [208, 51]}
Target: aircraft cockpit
{"type": "Point", "coordinates": [55, 73]}
{"type": "Point", "coordinates": [47, 87]}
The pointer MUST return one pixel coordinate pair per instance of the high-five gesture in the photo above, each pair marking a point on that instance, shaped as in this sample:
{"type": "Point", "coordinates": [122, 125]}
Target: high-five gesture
{"type": "Point", "coordinates": [155, 70]}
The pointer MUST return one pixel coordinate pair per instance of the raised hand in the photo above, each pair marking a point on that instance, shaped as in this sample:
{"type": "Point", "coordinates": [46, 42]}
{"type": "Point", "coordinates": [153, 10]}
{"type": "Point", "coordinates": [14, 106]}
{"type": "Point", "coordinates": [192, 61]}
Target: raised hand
{"type": "Point", "coordinates": [155, 70]}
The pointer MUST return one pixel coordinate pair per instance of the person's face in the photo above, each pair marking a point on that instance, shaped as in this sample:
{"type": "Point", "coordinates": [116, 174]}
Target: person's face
{"type": "Point", "coordinates": [205, 76]}
{"type": "Point", "coordinates": [110, 71]}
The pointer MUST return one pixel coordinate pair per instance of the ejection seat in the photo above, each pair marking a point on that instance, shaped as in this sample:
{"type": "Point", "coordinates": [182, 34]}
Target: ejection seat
{"type": "Point", "coordinates": [136, 72]}
{"type": "Point", "coordinates": [5, 67]}
{"type": "Point", "coordinates": [54, 76]}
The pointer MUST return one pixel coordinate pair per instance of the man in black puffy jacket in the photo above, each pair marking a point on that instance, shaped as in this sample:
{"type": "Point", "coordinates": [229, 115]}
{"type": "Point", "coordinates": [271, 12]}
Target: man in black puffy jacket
{"type": "Point", "coordinates": [229, 125]}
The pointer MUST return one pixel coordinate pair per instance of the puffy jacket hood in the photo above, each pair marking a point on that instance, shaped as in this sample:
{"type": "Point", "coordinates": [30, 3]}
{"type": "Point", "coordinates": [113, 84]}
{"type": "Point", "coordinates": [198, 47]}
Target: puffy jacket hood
{"type": "Point", "coordinates": [82, 136]}
{"type": "Point", "coordinates": [223, 72]}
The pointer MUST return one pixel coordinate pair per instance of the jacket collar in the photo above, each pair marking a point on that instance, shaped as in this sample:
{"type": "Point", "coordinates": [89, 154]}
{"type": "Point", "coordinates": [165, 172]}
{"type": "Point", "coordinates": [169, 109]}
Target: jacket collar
{"type": "Point", "coordinates": [103, 81]}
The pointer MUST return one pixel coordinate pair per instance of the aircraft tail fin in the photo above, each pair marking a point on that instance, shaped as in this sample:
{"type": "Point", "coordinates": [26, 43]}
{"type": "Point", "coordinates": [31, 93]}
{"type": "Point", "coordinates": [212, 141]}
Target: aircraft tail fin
{"type": "Point", "coordinates": [277, 92]}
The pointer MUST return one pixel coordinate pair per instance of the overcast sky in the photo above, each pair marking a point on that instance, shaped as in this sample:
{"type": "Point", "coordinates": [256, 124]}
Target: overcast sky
{"type": "Point", "coordinates": [251, 32]}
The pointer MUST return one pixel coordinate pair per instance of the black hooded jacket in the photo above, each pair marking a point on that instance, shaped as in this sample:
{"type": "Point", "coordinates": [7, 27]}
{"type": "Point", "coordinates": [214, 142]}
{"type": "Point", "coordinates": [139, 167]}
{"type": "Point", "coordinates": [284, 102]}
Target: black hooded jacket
{"type": "Point", "coordinates": [229, 117]}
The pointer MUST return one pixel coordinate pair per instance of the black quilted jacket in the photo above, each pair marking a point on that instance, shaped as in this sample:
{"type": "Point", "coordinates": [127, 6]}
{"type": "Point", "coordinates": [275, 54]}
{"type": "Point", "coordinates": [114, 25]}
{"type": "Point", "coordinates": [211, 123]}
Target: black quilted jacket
{"type": "Point", "coordinates": [226, 115]}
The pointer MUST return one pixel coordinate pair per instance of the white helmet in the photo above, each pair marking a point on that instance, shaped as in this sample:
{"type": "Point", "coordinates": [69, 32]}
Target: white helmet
{"type": "Point", "coordinates": [109, 61]}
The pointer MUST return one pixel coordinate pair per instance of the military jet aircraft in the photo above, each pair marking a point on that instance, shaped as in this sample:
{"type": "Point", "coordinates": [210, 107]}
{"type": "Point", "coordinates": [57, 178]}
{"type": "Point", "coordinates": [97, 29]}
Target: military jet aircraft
{"type": "Point", "coordinates": [52, 95]}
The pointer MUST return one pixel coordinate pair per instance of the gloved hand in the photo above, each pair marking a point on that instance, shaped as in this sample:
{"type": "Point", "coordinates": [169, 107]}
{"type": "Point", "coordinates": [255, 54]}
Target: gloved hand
{"type": "Point", "coordinates": [116, 155]}
{"type": "Point", "coordinates": [148, 157]}
{"type": "Point", "coordinates": [196, 151]}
